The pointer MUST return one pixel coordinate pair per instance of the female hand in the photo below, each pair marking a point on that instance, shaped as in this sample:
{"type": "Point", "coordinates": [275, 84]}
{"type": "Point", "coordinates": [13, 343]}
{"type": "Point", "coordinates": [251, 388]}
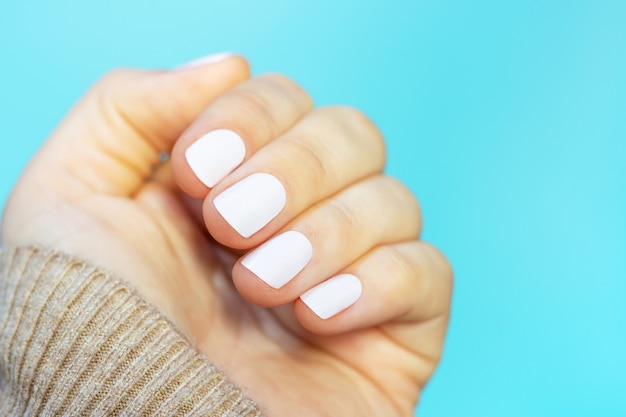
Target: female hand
{"type": "Point", "coordinates": [287, 195]}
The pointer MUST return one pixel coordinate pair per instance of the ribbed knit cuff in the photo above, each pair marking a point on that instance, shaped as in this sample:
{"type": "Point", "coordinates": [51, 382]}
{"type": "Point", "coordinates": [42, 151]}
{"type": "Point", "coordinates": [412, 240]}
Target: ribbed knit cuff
{"type": "Point", "coordinates": [76, 341]}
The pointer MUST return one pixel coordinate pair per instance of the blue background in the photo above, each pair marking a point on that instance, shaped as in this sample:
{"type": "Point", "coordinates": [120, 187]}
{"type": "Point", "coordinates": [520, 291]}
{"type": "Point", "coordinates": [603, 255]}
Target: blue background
{"type": "Point", "coordinates": [507, 119]}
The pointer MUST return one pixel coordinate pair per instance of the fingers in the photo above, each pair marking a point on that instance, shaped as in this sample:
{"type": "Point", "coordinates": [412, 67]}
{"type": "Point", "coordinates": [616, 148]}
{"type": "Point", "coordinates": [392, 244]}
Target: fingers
{"type": "Point", "coordinates": [303, 190]}
{"type": "Point", "coordinates": [233, 128]}
{"type": "Point", "coordinates": [350, 262]}
{"type": "Point", "coordinates": [326, 238]}
{"type": "Point", "coordinates": [326, 151]}
{"type": "Point", "coordinates": [110, 142]}
{"type": "Point", "coordinates": [406, 282]}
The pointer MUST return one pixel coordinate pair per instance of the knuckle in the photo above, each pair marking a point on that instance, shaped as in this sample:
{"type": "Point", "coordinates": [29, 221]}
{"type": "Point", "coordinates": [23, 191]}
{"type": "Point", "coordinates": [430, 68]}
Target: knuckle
{"type": "Point", "coordinates": [319, 166]}
{"type": "Point", "coordinates": [347, 220]}
{"type": "Point", "coordinates": [265, 102]}
{"type": "Point", "coordinates": [289, 88]}
{"type": "Point", "coordinates": [442, 266]}
{"type": "Point", "coordinates": [115, 95]}
{"type": "Point", "coordinates": [280, 80]}
{"type": "Point", "coordinates": [405, 198]}
{"type": "Point", "coordinates": [257, 108]}
{"type": "Point", "coordinates": [404, 264]}
{"type": "Point", "coordinates": [112, 87]}
{"type": "Point", "coordinates": [360, 128]}
{"type": "Point", "coordinates": [426, 275]}
{"type": "Point", "coordinates": [358, 120]}
{"type": "Point", "coordinates": [354, 115]}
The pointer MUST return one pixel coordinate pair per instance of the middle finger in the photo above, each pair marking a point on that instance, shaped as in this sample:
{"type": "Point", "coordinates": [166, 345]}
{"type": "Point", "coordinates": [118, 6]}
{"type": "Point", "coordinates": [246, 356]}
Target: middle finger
{"type": "Point", "coordinates": [325, 152]}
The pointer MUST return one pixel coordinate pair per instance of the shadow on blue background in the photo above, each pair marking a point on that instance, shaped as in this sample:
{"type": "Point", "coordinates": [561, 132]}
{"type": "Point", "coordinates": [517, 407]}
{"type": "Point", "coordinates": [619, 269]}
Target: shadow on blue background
{"type": "Point", "coordinates": [507, 119]}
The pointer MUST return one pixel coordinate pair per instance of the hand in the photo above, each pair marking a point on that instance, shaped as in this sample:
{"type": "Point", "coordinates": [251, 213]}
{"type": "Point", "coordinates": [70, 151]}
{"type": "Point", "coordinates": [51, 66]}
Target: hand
{"type": "Point", "coordinates": [362, 346]}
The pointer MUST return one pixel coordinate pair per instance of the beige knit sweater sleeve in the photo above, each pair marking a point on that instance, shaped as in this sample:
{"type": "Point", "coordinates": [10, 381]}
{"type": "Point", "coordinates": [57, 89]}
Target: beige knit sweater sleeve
{"type": "Point", "coordinates": [74, 341]}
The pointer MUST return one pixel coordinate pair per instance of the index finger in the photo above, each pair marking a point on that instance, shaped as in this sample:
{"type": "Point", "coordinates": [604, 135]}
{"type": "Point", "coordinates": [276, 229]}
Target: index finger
{"type": "Point", "coordinates": [234, 127]}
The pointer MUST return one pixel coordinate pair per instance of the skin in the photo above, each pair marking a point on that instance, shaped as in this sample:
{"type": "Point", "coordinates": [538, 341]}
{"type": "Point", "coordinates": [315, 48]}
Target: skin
{"type": "Point", "coordinates": [97, 190]}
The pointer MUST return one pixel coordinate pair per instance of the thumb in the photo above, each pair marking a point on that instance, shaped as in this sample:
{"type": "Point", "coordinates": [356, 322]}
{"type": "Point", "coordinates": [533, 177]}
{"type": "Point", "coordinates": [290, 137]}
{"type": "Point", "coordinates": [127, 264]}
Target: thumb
{"type": "Point", "coordinates": [110, 142]}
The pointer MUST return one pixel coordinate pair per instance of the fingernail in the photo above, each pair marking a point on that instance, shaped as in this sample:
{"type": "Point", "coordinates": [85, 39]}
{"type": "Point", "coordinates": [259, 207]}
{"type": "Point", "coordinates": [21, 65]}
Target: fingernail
{"type": "Point", "coordinates": [280, 259]}
{"type": "Point", "coordinates": [215, 155]}
{"type": "Point", "coordinates": [251, 203]}
{"type": "Point", "coordinates": [333, 296]}
{"type": "Point", "coordinates": [206, 60]}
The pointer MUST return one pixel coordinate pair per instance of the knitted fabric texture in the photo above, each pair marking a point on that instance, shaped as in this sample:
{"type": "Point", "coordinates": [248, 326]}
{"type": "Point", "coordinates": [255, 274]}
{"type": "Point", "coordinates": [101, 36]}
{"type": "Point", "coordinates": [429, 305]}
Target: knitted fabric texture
{"type": "Point", "coordinates": [75, 341]}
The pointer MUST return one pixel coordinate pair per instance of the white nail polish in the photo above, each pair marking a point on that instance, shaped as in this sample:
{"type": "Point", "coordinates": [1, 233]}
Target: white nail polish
{"type": "Point", "coordinates": [251, 203]}
{"type": "Point", "coordinates": [280, 259]}
{"type": "Point", "coordinates": [333, 296]}
{"type": "Point", "coordinates": [206, 60]}
{"type": "Point", "coordinates": [215, 155]}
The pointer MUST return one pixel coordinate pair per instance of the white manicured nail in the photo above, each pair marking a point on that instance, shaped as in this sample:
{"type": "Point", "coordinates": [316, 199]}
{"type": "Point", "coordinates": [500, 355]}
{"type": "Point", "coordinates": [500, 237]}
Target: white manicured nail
{"type": "Point", "coordinates": [207, 60]}
{"type": "Point", "coordinates": [251, 203]}
{"type": "Point", "coordinates": [280, 259]}
{"type": "Point", "coordinates": [215, 155]}
{"type": "Point", "coordinates": [333, 296]}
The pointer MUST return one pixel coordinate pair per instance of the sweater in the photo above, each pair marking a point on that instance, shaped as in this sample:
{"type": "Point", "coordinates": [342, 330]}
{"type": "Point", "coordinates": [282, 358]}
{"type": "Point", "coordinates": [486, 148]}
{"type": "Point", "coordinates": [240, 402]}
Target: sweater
{"type": "Point", "coordinates": [76, 341]}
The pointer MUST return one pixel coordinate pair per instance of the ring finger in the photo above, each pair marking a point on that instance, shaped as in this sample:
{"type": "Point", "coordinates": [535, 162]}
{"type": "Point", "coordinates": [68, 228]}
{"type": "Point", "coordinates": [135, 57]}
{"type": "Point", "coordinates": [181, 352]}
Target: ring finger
{"type": "Point", "coordinates": [326, 238]}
